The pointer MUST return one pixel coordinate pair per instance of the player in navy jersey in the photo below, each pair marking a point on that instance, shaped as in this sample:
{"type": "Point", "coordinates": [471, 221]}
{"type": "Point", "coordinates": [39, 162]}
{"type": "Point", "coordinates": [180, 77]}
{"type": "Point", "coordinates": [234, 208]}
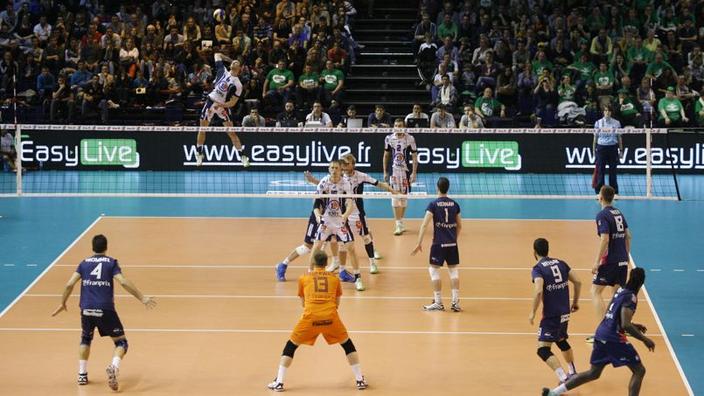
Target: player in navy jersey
{"type": "Point", "coordinates": [550, 277]}
{"type": "Point", "coordinates": [97, 304]}
{"type": "Point", "coordinates": [612, 259]}
{"type": "Point", "coordinates": [610, 344]}
{"type": "Point", "coordinates": [447, 224]}
{"type": "Point", "coordinates": [226, 92]}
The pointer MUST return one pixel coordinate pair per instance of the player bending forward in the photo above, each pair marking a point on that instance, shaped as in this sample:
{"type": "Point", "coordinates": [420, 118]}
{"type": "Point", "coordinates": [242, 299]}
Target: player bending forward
{"type": "Point", "coordinates": [550, 277]}
{"type": "Point", "coordinates": [98, 307]}
{"type": "Point", "coordinates": [447, 224]}
{"type": "Point", "coordinates": [320, 293]}
{"type": "Point", "coordinates": [227, 89]}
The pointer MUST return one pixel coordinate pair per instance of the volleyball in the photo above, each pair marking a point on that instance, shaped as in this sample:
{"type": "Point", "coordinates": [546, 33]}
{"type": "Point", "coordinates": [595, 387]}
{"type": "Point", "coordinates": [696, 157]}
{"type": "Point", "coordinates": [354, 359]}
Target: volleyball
{"type": "Point", "coordinates": [219, 15]}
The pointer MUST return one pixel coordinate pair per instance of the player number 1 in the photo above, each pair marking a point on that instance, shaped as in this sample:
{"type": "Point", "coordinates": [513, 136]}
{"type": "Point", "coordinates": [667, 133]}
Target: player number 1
{"type": "Point", "coordinates": [97, 271]}
{"type": "Point", "coordinates": [447, 216]}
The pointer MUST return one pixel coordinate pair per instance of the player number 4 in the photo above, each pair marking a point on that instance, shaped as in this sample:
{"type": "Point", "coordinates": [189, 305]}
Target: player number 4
{"type": "Point", "coordinates": [556, 273]}
{"type": "Point", "coordinates": [97, 271]}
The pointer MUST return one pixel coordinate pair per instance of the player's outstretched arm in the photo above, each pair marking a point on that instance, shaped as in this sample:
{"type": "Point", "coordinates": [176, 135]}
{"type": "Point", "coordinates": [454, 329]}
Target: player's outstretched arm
{"type": "Point", "coordinates": [310, 178]}
{"type": "Point", "coordinates": [67, 293]}
{"type": "Point", "coordinates": [537, 297]}
{"type": "Point", "coordinates": [419, 245]}
{"type": "Point", "coordinates": [149, 302]}
{"type": "Point", "coordinates": [577, 290]}
{"type": "Point", "coordinates": [634, 329]}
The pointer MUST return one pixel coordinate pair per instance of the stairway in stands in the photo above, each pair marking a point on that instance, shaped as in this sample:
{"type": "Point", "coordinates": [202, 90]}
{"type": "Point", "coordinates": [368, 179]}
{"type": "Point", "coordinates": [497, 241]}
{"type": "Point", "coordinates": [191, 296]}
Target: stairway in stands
{"type": "Point", "coordinates": [385, 72]}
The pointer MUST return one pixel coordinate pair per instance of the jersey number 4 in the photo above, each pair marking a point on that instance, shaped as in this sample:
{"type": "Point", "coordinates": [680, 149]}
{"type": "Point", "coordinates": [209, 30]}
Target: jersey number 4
{"type": "Point", "coordinates": [97, 271]}
{"type": "Point", "coordinates": [556, 273]}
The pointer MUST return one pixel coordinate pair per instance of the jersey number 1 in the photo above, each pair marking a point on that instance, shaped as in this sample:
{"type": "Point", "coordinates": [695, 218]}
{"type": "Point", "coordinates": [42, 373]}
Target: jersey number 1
{"type": "Point", "coordinates": [97, 271]}
{"type": "Point", "coordinates": [447, 216]}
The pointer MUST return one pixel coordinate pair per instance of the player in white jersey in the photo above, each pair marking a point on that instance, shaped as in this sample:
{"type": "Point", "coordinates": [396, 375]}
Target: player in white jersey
{"type": "Point", "coordinates": [332, 213]}
{"type": "Point", "coordinates": [227, 89]}
{"type": "Point", "coordinates": [397, 147]}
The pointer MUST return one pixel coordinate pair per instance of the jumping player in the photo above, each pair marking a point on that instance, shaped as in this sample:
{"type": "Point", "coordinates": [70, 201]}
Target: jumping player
{"type": "Point", "coordinates": [320, 293]}
{"type": "Point", "coordinates": [98, 307]}
{"type": "Point", "coordinates": [397, 147]}
{"type": "Point", "coordinates": [227, 89]}
{"type": "Point", "coordinates": [447, 224]}
{"type": "Point", "coordinates": [550, 286]}
{"type": "Point", "coordinates": [611, 264]}
{"type": "Point", "coordinates": [611, 345]}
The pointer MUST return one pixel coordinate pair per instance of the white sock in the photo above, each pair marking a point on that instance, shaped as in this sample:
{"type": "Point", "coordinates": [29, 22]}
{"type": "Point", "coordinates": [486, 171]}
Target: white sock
{"type": "Point", "coordinates": [398, 223]}
{"type": "Point", "coordinates": [280, 376]}
{"type": "Point", "coordinates": [572, 370]}
{"type": "Point", "coordinates": [357, 370]}
{"type": "Point", "coordinates": [560, 374]}
{"type": "Point", "coordinates": [559, 390]}
{"type": "Point", "coordinates": [116, 361]}
{"type": "Point", "coordinates": [82, 366]}
{"type": "Point", "coordinates": [372, 261]}
{"type": "Point", "coordinates": [437, 296]}
{"type": "Point", "coordinates": [285, 261]}
{"type": "Point", "coordinates": [455, 295]}
{"type": "Point", "coordinates": [336, 260]}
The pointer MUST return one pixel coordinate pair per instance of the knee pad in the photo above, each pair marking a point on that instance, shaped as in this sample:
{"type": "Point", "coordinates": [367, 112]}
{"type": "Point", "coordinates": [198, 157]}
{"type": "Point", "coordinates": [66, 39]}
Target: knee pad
{"type": "Point", "coordinates": [434, 273]}
{"type": "Point", "coordinates": [563, 345]}
{"type": "Point", "coordinates": [86, 339]}
{"type": "Point", "coordinates": [302, 250]}
{"type": "Point", "coordinates": [399, 202]}
{"type": "Point", "coordinates": [544, 353]}
{"type": "Point", "coordinates": [289, 349]}
{"type": "Point", "coordinates": [367, 239]}
{"type": "Point", "coordinates": [122, 343]}
{"type": "Point", "coordinates": [348, 346]}
{"type": "Point", "coordinates": [454, 272]}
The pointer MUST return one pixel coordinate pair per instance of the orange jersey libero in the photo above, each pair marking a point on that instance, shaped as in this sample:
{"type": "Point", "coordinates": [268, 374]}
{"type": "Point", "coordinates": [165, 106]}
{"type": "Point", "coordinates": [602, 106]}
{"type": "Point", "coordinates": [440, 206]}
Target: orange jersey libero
{"type": "Point", "coordinates": [320, 290]}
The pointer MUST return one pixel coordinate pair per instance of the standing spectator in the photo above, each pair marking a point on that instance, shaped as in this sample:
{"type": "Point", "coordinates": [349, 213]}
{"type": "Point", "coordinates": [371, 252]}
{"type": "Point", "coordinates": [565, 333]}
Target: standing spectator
{"type": "Point", "coordinates": [425, 60]}
{"type": "Point", "coordinates": [470, 119]}
{"type": "Point", "coordinates": [287, 118]}
{"type": "Point", "coordinates": [308, 87]}
{"type": "Point", "coordinates": [333, 81]}
{"type": "Point", "coordinates": [318, 117]}
{"type": "Point", "coordinates": [379, 118]}
{"type": "Point", "coordinates": [671, 111]}
{"type": "Point", "coordinates": [608, 148]}
{"type": "Point", "coordinates": [277, 85]}
{"type": "Point", "coordinates": [442, 118]}
{"type": "Point", "coordinates": [253, 119]}
{"type": "Point", "coordinates": [62, 98]}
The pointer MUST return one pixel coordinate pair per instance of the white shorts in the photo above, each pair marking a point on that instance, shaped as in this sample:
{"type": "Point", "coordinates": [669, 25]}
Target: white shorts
{"type": "Point", "coordinates": [210, 109]}
{"type": "Point", "coordinates": [358, 223]}
{"type": "Point", "coordinates": [400, 181]}
{"type": "Point", "coordinates": [325, 233]}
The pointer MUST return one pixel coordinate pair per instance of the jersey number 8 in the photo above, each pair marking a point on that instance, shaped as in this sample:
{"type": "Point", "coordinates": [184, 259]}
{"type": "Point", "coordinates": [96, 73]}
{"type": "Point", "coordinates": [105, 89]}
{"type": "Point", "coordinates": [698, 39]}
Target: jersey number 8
{"type": "Point", "coordinates": [619, 223]}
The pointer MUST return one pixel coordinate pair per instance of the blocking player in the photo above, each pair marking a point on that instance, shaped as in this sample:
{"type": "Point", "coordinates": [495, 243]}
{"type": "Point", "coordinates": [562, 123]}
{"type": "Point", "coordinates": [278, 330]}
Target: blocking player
{"type": "Point", "coordinates": [550, 277]}
{"type": "Point", "coordinates": [397, 147]}
{"type": "Point", "coordinates": [447, 224]}
{"type": "Point", "coordinates": [98, 307]}
{"type": "Point", "coordinates": [227, 89]}
{"type": "Point", "coordinates": [332, 212]}
{"type": "Point", "coordinates": [611, 345]}
{"type": "Point", "coordinates": [611, 264]}
{"type": "Point", "coordinates": [320, 293]}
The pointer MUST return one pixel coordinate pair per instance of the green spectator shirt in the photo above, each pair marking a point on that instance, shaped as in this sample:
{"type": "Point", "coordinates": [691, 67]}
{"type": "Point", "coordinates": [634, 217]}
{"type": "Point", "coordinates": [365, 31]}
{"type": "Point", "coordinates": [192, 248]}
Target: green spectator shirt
{"type": "Point", "coordinates": [566, 93]}
{"type": "Point", "coordinates": [655, 69]}
{"type": "Point", "coordinates": [278, 78]}
{"type": "Point", "coordinates": [539, 66]}
{"type": "Point", "coordinates": [487, 106]}
{"type": "Point", "coordinates": [671, 106]}
{"type": "Point", "coordinates": [444, 31]}
{"type": "Point", "coordinates": [585, 69]}
{"type": "Point", "coordinates": [628, 107]}
{"type": "Point", "coordinates": [698, 108]}
{"type": "Point", "coordinates": [308, 80]}
{"type": "Point", "coordinates": [639, 55]}
{"type": "Point", "coordinates": [603, 78]}
{"type": "Point", "coordinates": [331, 78]}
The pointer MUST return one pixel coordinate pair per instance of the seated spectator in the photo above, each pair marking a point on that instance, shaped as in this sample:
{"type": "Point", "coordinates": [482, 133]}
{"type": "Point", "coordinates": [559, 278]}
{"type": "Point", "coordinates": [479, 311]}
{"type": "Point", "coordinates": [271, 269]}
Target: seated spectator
{"type": "Point", "coordinates": [253, 119]}
{"type": "Point", "coordinates": [699, 111]}
{"type": "Point", "coordinates": [62, 99]}
{"type": "Point", "coordinates": [241, 44]}
{"type": "Point", "coordinates": [470, 119]}
{"type": "Point", "coordinates": [287, 118]}
{"type": "Point", "coordinates": [174, 38]}
{"type": "Point", "coordinates": [307, 89]}
{"type": "Point", "coordinates": [277, 85]}
{"type": "Point", "coordinates": [448, 28]}
{"type": "Point", "coordinates": [601, 47]}
{"type": "Point", "coordinates": [318, 117]}
{"type": "Point", "coordinates": [582, 70]}
{"type": "Point", "coordinates": [45, 84]}
{"type": "Point", "coordinates": [447, 94]}
{"type": "Point", "coordinates": [656, 72]}
{"type": "Point", "coordinates": [441, 118]}
{"type": "Point", "coordinates": [263, 32]}
{"type": "Point", "coordinates": [646, 97]}
{"type": "Point", "coordinates": [8, 152]}
{"type": "Point", "coordinates": [417, 118]}
{"type": "Point", "coordinates": [223, 31]}
{"type": "Point", "coordinates": [448, 48]}
{"type": "Point", "coordinates": [506, 87]}
{"type": "Point", "coordinates": [350, 115]}
{"type": "Point", "coordinates": [379, 118]}
{"type": "Point", "coordinates": [604, 80]}
{"type": "Point", "coordinates": [626, 110]}
{"type": "Point", "coordinates": [544, 94]}
{"type": "Point", "coordinates": [425, 27]}
{"type": "Point", "coordinates": [333, 81]}
{"type": "Point", "coordinates": [129, 56]}
{"type": "Point", "coordinates": [685, 94]}
{"type": "Point", "coordinates": [670, 110]}
{"type": "Point", "coordinates": [488, 72]}
{"type": "Point", "coordinates": [487, 107]}
{"type": "Point", "coordinates": [42, 30]}
{"type": "Point", "coordinates": [337, 56]}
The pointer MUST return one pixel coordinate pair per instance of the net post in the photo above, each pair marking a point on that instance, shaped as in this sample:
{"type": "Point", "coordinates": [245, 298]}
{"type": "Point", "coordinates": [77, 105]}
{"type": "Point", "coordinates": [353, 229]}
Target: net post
{"type": "Point", "coordinates": [648, 163]}
{"type": "Point", "coordinates": [18, 158]}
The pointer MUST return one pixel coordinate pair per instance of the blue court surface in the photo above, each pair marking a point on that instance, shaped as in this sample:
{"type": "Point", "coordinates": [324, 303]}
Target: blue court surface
{"type": "Point", "coordinates": [667, 234]}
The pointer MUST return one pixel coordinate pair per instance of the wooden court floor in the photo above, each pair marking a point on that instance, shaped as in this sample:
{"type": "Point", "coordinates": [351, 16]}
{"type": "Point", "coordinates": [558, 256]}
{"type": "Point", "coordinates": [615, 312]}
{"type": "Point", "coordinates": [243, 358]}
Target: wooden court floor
{"type": "Point", "coordinates": [222, 319]}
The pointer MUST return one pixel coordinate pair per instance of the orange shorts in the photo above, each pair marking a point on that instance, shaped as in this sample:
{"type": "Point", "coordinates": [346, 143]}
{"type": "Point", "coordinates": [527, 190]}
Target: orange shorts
{"type": "Point", "coordinates": [308, 328]}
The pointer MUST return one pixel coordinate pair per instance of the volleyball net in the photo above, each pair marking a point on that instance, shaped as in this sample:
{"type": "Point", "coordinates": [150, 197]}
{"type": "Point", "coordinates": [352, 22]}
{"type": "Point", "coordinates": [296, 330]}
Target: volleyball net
{"type": "Point", "coordinates": [98, 160]}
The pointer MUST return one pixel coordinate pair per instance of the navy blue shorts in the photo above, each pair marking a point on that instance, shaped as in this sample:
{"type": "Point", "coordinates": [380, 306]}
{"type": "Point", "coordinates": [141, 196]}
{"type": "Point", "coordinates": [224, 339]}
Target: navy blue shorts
{"type": "Point", "coordinates": [611, 274]}
{"type": "Point", "coordinates": [447, 254]}
{"type": "Point", "coordinates": [553, 329]}
{"type": "Point", "coordinates": [311, 228]}
{"type": "Point", "coordinates": [107, 322]}
{"type": "Point", "coordinates": [616, 353]}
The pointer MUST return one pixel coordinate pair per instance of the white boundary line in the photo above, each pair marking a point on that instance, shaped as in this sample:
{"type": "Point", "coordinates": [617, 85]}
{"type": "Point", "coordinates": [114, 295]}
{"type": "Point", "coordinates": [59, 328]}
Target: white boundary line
{"type": "Point", "coordinates": [53, 263]}
{"type": "Point", "coordinates": [300, 217]}
{"type": "Point", "coordinates": [665, 337]}
{"type": "Point", "coordinates": [271, 267]}
{"type": "Point", "coordinates": [288, 331]}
